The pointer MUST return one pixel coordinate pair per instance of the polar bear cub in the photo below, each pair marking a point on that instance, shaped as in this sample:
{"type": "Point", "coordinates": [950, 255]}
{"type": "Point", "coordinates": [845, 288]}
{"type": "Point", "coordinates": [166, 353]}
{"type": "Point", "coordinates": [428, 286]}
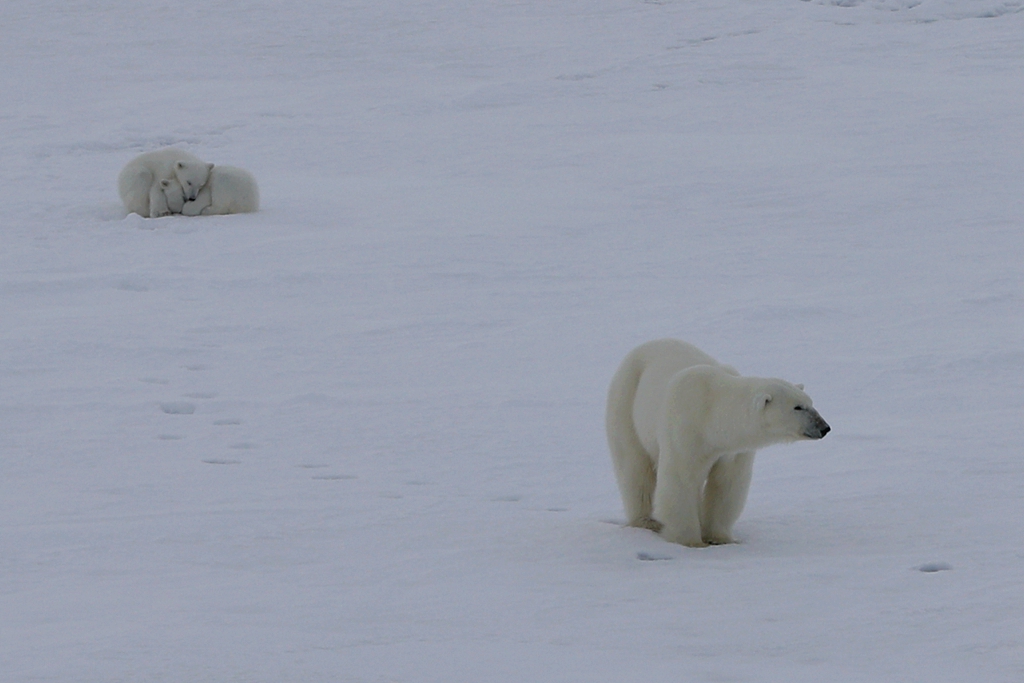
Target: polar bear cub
{"type": "Point", "coordinates": [229, 190]}
{"type": "Point", "coordinates": [683, 429]}
{"type": "Point", "coordinates": [174, 195]}
{"type": "Point", "coordinates": [139, 182]}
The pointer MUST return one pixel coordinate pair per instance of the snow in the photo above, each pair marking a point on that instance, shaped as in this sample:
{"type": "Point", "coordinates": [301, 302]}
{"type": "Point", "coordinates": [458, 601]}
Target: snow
{"type": "Point", "coordinates": [358, 436]}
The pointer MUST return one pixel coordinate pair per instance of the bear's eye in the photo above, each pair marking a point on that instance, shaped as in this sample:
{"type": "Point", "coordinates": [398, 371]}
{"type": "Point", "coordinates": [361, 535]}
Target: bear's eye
{"type": "Point", "coordinates": [799, 408]}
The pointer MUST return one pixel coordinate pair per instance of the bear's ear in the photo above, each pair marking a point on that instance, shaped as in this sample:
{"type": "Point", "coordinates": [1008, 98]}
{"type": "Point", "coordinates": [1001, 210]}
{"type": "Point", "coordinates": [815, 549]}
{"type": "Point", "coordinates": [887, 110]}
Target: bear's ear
{"type": "Point", "coordinates": [800, 387]}
{"type": "Point", "coordinates": [209, 167]}
{"type": "Point", "coordinates": [761, 401]}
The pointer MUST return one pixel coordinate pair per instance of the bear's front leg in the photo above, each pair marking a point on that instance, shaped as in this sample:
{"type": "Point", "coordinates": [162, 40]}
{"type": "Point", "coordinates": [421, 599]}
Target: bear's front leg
{"type": "Point", "coordinates": [158, 202]}
{"type": "Point", "coordinates": [198, 205]}
{"type": "Point", "coordinates": [725, 494]}
{"type": "Point", "coordinates": [677, 507]}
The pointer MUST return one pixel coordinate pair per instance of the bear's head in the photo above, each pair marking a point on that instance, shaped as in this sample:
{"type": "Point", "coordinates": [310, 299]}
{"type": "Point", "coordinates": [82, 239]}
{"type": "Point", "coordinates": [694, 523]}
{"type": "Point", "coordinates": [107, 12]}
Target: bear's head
{"type": "Point", "coordinates": [787, 414]}
{"type": "Point", "coordinates": [192, 175]}
{"type": "Point", "coordinates": [174, 194]}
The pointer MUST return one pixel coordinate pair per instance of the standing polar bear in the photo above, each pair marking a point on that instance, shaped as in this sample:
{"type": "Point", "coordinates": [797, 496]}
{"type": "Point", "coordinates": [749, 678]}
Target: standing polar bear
{"type": "Point", "coordinates": [683, 429]}
{"type": "Point", "coordinates": [141, 186]}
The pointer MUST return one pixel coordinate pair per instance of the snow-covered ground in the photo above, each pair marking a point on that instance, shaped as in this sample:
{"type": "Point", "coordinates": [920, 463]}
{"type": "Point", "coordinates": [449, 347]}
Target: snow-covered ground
{"type": "Point", "coordinates": [358, 436]}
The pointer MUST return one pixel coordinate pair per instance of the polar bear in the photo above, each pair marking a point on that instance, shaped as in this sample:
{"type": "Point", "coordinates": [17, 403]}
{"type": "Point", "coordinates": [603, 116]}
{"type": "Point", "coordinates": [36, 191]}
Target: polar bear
{"type": "Point", "coordinates": [683, 429]}
{"type": "Point", "coordinates": [139, 181]}
{"type": "Point", "coordinates": [229, 190]}
{"type": "Point", "coordinates": [174, 195]}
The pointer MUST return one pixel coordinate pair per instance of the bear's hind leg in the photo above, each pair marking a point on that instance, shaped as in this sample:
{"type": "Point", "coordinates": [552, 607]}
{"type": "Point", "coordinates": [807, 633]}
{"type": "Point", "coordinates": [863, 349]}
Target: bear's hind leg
{"type": "Point", "coordinates": [134, 184]}
{"type": "Point", "coordinates": [636, 478]}
{"type": "Point", "coordinates": [634, 470]}
{"type": "Point", "coordinates": [725, 494]}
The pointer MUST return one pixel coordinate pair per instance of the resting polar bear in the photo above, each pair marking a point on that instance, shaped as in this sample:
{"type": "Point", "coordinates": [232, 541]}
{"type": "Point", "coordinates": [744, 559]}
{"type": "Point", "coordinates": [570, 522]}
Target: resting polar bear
{"type": "Point", "coordinates": [683, 430]}
{"type": "Point", "coordinates": [173, 195]}
{"type": "Point", "coordinates": [229, 190]}
{"type": "Point", "coordinates": [140, 181]}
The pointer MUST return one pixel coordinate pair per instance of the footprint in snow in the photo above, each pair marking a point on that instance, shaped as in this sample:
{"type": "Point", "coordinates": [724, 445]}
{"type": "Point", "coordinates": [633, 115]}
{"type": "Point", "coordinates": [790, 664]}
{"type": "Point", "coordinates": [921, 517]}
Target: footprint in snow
{"type": "Point", "coordinates": [932, 567]}
{"type": "Point", "coordinates": [652, 557]}
{"type": "Point", "coordinates": [216, 461]}
{"type": "Point", "coordinates": [178, 407]}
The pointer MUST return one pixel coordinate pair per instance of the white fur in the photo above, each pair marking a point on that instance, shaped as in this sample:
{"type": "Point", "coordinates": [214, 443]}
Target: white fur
{"type": "Point", "coordinates": [174, 196]}
{"type": "Point", "coordinates": [683, 430]}
{"type": "Point", "coordinates": [229, 190]}
{"type": "Point", "coordinates": [139, 182]}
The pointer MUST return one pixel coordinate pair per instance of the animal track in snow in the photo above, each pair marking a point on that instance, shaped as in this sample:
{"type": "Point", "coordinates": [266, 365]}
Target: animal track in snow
{"type": "Point", "coordinates": [217, 461]}
{"type": "Point", "coordinates": [178, 407]}
{"type": "Point", "coordinates": [652, 557]}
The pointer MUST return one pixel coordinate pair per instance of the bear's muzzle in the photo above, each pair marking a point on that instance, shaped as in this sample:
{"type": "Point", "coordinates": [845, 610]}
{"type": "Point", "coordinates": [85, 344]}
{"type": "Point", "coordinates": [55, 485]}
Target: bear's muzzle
{"type": "Point", "coordinates": [819, 428]}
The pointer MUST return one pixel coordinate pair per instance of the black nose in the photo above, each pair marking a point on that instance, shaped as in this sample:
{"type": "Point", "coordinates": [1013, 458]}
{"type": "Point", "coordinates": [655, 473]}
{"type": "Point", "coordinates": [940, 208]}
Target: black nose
{"type": "Point", "coordinates": [819, 430]}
